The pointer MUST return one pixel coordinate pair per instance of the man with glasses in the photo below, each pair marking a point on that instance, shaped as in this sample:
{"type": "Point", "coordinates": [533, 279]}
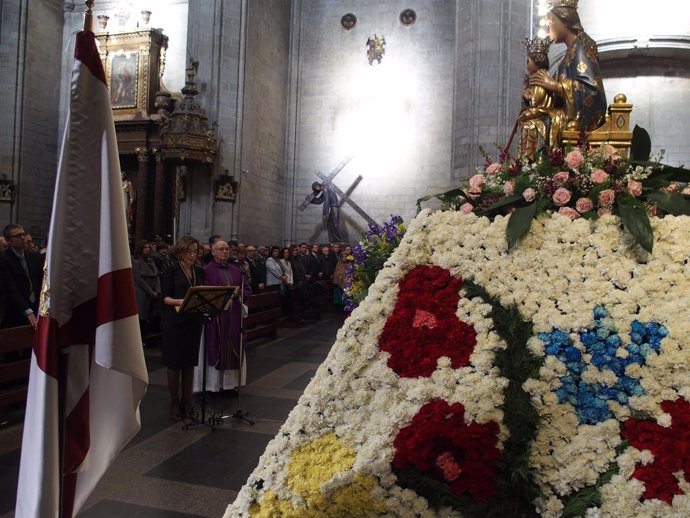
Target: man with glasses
{"type": "Point", "coordinates": [224, 341]}
{"type": "Point", "coordinates": [24, 275]}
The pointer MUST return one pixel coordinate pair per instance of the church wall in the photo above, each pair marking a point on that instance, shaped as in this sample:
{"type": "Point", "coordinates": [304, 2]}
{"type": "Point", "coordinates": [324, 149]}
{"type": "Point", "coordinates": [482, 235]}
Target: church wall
{"type": "Point", "coordinates": [645, 54]}
{"type": "Point", "coordinates": [395, 118]}
{"type": "Point", "coordinates": [12, 31]}
{"type": "Point", "coordinates": [489, 75]}
{"type": "Point", "coordinates": [260, 218]}
{"type": "Point", "coordinates": [29, 124]}
{"type": "Point", "coordinates": [215, 39]}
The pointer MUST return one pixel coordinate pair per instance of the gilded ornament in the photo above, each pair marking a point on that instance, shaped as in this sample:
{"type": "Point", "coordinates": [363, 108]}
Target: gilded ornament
{"type": "Point", "coordinates": [44, 304]}
{"type": "Point", "coordinates": [581, 67]}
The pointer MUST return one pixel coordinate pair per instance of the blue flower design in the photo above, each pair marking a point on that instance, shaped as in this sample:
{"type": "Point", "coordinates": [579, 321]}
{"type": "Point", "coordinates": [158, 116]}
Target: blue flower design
{"type": "Point", "coordinates": [591, 399]}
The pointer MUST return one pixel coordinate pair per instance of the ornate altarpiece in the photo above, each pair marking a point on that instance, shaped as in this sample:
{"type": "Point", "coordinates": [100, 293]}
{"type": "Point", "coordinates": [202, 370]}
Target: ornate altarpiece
{"type": "Point", "coordinates": [159, 134]}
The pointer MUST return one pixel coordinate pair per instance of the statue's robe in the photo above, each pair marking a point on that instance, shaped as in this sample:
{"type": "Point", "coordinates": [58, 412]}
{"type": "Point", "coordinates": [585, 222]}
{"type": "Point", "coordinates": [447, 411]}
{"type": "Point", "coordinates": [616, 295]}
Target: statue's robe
{"type": "Point", "coordinates": [581, 84]}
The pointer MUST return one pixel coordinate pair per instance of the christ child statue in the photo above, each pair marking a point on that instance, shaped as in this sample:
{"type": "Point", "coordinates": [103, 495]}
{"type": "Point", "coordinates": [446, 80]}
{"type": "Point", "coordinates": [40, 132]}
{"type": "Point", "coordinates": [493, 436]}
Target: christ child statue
{"type": "Point", "coordinates": [540, 121]}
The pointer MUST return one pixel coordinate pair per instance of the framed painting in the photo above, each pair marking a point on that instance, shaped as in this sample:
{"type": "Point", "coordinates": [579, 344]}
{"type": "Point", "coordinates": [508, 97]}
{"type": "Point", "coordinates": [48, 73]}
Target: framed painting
{"type": "Point", "coordinates": [124, 70]}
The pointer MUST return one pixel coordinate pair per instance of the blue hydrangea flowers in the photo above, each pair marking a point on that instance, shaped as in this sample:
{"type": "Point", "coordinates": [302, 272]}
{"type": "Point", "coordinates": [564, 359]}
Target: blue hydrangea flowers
{"type": "Point", "coordinates": [602, 344]}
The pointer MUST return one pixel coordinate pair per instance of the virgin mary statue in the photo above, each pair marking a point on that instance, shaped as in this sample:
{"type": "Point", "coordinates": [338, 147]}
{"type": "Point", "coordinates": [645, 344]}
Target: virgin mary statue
{"type": "Point", "coordinates": [577, 87]}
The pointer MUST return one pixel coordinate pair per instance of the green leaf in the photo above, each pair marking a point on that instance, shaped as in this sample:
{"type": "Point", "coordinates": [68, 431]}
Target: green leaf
{"type": "Point", "coordinates": [443, 196]}
{"type": "Point", "coordinates": [657, 180]}
{"type": "Point", "coordinates": [519, 223]}
{"type": "Point", "coordinates": [667, 172]}
{"type": "Point", "coordinates": [677, 174]}
{"type": "Point", "coordinates": [671, 202]}
{"type": "Point", "coordinates": [641, 146]}
{"type": "Point", "coordinates": [635, 219]}
{"type": "Point", "coordinates": [506, 200]}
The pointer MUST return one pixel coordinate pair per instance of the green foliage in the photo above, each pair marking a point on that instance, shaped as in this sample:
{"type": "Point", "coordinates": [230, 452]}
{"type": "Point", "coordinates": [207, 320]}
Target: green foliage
{"type": "Point", "coordinates": [635, 219]}
{"type": "Point", "coordinates": [519, 223]}
{"type": "Point", "coordinates": [577, 183]}
{"type": "Point", "coordinates": [641, 146]}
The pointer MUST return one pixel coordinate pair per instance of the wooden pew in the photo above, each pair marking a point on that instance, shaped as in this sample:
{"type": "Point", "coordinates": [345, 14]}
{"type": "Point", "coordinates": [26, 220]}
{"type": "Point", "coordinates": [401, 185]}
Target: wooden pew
{"type": "Point", "coordinates": [265, 315]}
{"type": "Point", "coordinates": [15, 349]}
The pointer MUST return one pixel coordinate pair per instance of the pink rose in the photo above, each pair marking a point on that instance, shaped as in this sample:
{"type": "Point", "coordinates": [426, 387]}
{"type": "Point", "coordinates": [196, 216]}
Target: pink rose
{"type": "Point", "coordinates": [529, 194]}
{"type": "Point", "coordinates": [509, 188]}
{"type": "Point", "coordinates": [653, 211]}
{"type": "Point", "coordinates": [607, 196]}
{"type": "Point", "coordinates": [584, 205]}
{"type": "Point", "coordinates": [634, 188]}
{"type": "Point", "coordinates": [477, 180]}
{"type": "Point", "coordinates": [561, 196]}
{"type": "Point", "coordinates": [568, 212]}
{"type": "Point", "coordinates": [466, 208]}
{"type": "Point", "coordinates": [672, 188]}
{"type": "Point", "coordinates": [474, 192]}
{"type": "Point", "coordinates": [608, 150]}
{"type": "Point", "coordinates": [561, 177]}
{"type": "Point", "coordinates": [605, 211]}
{"type": "Point", "coordinates": [599, 176]}
{"type": "Point", "coordinates": [574, 159]}
{"type": "Point", "coordinates": [493, 168]}
{"type": "Point", "coordinates": [685, 191]}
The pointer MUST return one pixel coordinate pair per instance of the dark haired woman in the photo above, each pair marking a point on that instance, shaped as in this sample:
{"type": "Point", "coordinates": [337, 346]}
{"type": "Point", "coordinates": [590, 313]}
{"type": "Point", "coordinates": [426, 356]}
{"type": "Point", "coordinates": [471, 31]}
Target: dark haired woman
{"type": "Point", "coordinates": [275, 276]}
{"type": "Point", "coordinates": [578, 86]}
{"type": "Point", "coordinates": [181, 331]}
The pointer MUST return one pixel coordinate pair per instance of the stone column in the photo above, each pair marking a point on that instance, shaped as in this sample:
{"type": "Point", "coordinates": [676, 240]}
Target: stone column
{"type": "Point", "coordinates": [159, 199]}
{"type": "Point", "coordinates": [141, 184]}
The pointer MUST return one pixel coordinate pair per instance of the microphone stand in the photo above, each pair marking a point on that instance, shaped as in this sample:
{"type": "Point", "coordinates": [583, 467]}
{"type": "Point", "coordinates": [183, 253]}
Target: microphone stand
{"type": "Point", "coordinates": [201, 420]}
{"type": "Point", "coordinates": [208, 313]}
{"type": "Point", "coordinates": [239, 413]}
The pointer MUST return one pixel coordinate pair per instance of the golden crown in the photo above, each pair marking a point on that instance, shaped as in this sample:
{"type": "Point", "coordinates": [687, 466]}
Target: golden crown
{"type": "Point", "coordinates": [562, 3]}
{"type": "Point", "coordinates": [537, 46]}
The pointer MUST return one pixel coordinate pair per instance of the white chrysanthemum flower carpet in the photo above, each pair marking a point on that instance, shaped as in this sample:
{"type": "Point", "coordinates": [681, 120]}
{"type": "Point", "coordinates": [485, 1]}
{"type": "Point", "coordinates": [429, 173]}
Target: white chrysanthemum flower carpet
{"type": "Point", "coordinates": [549, 380]}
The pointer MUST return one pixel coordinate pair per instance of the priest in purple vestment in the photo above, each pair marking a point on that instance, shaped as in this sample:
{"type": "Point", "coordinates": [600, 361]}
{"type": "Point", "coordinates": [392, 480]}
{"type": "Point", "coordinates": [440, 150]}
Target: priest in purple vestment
{"type": "Point", "coordinates": [224, 332]}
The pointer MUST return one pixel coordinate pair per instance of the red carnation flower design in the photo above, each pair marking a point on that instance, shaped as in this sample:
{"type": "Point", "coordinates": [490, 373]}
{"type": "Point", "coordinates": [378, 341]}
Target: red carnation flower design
{"type": "Point", "coordinates": [423, 326]}
{"type": "Point", "coordinates": [670, 447]}
{"type": "Point", "coordinates": [440, 443]}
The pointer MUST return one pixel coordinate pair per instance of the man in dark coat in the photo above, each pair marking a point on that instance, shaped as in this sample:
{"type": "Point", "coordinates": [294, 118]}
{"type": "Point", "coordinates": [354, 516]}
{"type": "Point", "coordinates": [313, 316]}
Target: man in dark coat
{"type": "Point", "coordinates": [257, 269]}
{"type": "Point", "coordinates": [24, 272]}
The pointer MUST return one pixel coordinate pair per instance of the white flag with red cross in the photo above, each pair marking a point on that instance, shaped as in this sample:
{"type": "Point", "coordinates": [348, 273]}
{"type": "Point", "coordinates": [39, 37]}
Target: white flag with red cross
{"type": "Point", "coordinates": [88, 373]}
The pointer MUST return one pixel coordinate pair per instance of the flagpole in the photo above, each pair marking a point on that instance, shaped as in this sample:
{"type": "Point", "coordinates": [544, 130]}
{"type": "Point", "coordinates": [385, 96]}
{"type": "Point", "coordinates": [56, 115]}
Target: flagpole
{"type": "Point", "coordinates": [63, 371]}
{"type": "Point", "coordinates": [88, 18]}
{"type": "Point", "coordinates": [63, 358]}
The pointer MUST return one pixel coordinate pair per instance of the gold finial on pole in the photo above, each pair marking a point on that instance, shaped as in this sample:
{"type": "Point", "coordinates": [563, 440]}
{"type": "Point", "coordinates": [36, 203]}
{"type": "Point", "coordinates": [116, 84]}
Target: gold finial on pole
{"type": "Point", "coordinates": [88, 17]}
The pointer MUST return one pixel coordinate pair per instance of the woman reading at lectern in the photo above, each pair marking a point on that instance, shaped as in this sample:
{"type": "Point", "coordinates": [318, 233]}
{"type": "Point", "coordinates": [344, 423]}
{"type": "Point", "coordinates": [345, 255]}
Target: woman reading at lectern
{"type": "Point", "coordinates": [181, 331]}
{"type": "Point", "coordinates": [578, 86]}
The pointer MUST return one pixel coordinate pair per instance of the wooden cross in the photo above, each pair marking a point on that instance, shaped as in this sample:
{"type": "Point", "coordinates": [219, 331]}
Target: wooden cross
{"type": "Point", "coordinates": [327, 180]}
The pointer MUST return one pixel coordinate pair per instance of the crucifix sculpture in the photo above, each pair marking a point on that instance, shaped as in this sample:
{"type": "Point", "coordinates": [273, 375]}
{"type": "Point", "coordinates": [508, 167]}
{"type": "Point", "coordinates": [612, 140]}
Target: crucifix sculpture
{"type": "Point", "coordinates": [326, 193]}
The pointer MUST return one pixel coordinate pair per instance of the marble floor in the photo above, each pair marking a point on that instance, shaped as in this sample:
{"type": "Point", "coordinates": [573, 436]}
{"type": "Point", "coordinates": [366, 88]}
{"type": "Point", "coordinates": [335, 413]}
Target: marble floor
{"type": "Point", "coordinates": [168, 472]}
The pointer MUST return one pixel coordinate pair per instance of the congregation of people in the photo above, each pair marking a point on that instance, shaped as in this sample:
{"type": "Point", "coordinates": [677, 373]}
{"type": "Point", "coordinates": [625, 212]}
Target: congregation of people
{"type": "Point", "coordinates": [305, 276]}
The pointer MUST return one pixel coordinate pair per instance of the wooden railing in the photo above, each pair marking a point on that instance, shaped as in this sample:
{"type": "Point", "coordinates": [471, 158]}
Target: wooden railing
{"type": "Point", "coordinates": [15, 351]}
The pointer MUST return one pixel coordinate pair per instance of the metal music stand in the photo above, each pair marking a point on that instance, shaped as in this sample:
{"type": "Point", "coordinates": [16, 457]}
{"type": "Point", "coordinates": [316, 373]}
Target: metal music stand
{"type": "Point", "coordinates": [207, 301]}
{"type": "Point", "coordinates": [239, 413]}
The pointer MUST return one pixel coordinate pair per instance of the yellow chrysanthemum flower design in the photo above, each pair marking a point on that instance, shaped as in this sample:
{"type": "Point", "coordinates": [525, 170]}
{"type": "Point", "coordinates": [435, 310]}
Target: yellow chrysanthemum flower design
{"type": "Point", "coordinates": [311, 466]}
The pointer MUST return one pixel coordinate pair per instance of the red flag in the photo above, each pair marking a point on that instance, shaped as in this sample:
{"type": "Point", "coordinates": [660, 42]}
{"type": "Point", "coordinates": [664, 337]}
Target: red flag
{"type": "Point", "coordinates": [88, 358]}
